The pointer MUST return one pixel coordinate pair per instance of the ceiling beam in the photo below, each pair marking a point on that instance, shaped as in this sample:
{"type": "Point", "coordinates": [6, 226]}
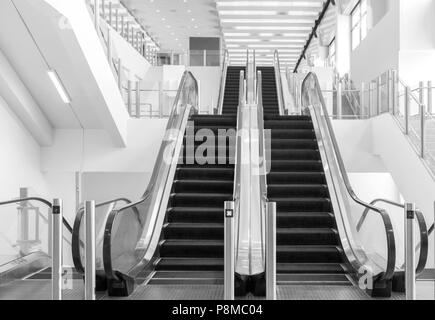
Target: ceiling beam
{"type": "Point", "coordinates": [314, 32]}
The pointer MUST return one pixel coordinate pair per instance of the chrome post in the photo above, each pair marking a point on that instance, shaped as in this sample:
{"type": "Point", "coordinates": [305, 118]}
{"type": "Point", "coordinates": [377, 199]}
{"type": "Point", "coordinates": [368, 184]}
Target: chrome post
{"type": "Point", "coordinates": [229, 251]}
{"type": "Point", "coordinates": [394, 90]}
{"type": "Point", "coordinates": [421, 92]}
{"type": "Point", "coordinates": [97, 14]}
{"type": "Point", "coordinates": [339, 100]}
{"type": "Point", "coordinates": [363, 99]}
{"type": "Point", "coordinates": [407, 105]}
{"type": "Point", "coordinates": [103, 9]}
{"type": "Point", "coordinates": [204, 57]}
{"type": "Point", "coordinates": [160, 100]}
{"type": "Point", "coordinates": [78, 182]}
{"type": "Point", "coordinates": [389, 90]}
{"type": "Point", "coordinates": [422, 128]}
{"type": "Point", "coordinates": [122, 26]}
{"type": "Point", "coordinates": [271, 251]}
{"type": "Point", "coordinates": [379, 97]}
{"type": "Point", "coordinates": [56, 258]}
{"type": "Point", "coordinates": [370, 102]}
{"type": "Point", "coordinates": [24, 222]}
{"type": "Point", "coordinates": [132, 37]}
{"type": "Point", "coordinates": [120, 74]}
{"type": "Point", "coordinates": [138, 99]}
{"type": "Point", "coordinates": [127, 32]}
{"type": "Point", "coordinates": [109, 46]}
{"type": "Point", "coordinates": [117, 20]}
{"type": "Point", "coordinates": [90, 250]}
{"type": "Point", "coordinates": [410, 252]}
{"type": "Point", "coordinates": [110, 13]}
{"type": "Point", "coordinates": [429, 97]}
{"type": "Point", "coordinates": [129, 97]}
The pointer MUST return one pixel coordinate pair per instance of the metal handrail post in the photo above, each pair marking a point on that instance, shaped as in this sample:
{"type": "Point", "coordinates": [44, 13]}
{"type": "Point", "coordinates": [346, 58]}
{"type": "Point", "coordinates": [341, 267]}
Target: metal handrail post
{"type": "Point", "coordinates": [229, 251]}
{"type": "Point", "coordinates": [138, 113]}
{"type": "Point", "coordinates": [395, 91]}
{"type": "Point", "coordinates": [129, 97]}
{"type": "Point", "coordinates": [379, 96]}
{"type": "Point", "coordinates": [271, 251]}
{"type": "Point", "coordinates": [407, 106]}
{"type": "Point", "coordinates": [56, 258]}
{"type": "Point", "coordinates": [422, 128]}
{"type": "Point", "coordinates": [90, 281]}
{"type": "Point", "coordinates": [429, 97]}
{"type": "Point", "coordinates": [410, 274]}
{"type": "Point", "coordinates": [339, 100]}
{"type": "Point", "coordinates": [362, 99]}
{"type": "Point", "coordinates": [421, 92]}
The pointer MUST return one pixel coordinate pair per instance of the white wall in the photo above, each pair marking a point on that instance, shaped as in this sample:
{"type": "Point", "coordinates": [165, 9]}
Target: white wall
{"type": "Point", "coordinates": [209, 81]}
{"type": "Point", "coordinates": [379, 51]}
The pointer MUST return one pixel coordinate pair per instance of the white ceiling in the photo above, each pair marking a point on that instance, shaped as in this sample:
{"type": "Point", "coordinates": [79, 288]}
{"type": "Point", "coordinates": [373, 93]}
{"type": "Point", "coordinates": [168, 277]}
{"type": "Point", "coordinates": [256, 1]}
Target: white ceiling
{"type": "Point", "coordinates": [172, 22]}
{"type": "Point", "coordinates": [263, 25]}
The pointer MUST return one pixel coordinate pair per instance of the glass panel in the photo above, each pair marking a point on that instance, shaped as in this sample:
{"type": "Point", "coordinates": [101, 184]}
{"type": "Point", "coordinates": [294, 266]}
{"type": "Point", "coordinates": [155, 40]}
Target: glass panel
{"type": "Point", "coordinates": [356, 36]}
{"type": "Point", "coordinates": [363, 26]}
{"type": "Point", "coordinates": [356, 16]}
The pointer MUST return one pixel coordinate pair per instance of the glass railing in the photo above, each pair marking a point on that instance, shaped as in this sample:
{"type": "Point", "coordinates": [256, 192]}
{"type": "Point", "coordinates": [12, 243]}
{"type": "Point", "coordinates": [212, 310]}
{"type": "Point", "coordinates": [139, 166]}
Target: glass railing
{"type": "Point", "coordinates": [132, 232]}
{"type": "Point", "coordinates": [364, 253]}
{"type": "Point", "coordinates": [25, 235]}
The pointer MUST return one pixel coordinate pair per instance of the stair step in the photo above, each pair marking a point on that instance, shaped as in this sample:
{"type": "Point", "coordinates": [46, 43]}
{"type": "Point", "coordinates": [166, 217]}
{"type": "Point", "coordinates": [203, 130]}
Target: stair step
{"type": "Point", "coordinates": [297, 190]}
{"type": "Point", "coordinates": [296, 165]}
{"type": "Point", "coordinates": [296, 178]}
{"type": "Point", "coordinates": [306, 236]}
{"type": "Point", "coordinates": [311, 268]}
{"type": "Point", "coordinates": [194, 231]}
{"type": "Point", "coordinates": [209, 186]}
{"type": "Point", "coordinates": [192, 249]}
{"type": "Point", "coordinates": [294, 144]}
{"type": "Point", "coordinates": [205, 172]}
{"type": "Point", "coordinates": [293, 134]}
{"type": "Point", "coordinates": [305, 220]}
{"type": "Point", "coordinates": [195, 215]}
{"type": "Point", "coordinates": [201, 200]}
{"type": "Point", "coordinates": [288, 124]}
{"type": "Point", "coordinates": [295, 154]}
{"type": "Point", "coordinates": [302, 204]}
{"type": "Point", "coordinates": [189, 264]}
{"type": "Point", "coordinates": [309, 254]}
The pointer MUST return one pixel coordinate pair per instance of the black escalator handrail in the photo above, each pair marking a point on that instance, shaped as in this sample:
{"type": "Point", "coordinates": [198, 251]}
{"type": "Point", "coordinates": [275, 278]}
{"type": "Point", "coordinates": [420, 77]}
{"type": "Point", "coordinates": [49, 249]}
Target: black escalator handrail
{"type": "Point", "coordinates": [391, 244]}
{"type": "Point", "coordinates": [41, 200]}
{"type": "Point", "coordinates": [76, 242]}
{"type": "Point", "coordinates": [280, 92]}
{"type": "Point", "coordinates": [181, 96]}
{"type": "Point", "coordinates": [223, 82]}
{"type": "Point", "coordinates": [424, 233]}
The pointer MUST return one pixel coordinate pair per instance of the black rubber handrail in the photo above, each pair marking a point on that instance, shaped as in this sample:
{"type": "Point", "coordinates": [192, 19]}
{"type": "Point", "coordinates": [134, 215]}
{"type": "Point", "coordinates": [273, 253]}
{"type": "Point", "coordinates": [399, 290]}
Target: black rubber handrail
{"type": "Point", "coordinates": [41, 200]}
{"type": "Point", "coordinates": [424, 234]}
{"type": "Point", "coordinates": [391, 244]}
{"type": "Point", "coordinates": [76, 242]}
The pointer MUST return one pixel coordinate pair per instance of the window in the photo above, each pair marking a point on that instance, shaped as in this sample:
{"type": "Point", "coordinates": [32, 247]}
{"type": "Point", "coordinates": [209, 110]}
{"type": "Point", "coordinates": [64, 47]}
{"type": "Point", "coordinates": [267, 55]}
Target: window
{"type": "Point", "coordinates": [359, 23]}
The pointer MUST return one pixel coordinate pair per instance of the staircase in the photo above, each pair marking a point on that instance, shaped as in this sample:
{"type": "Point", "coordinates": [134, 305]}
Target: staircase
{"type": "Point", "coordinates": [192, 243]}
{"type": "Point", "coordinates": [308, 245]}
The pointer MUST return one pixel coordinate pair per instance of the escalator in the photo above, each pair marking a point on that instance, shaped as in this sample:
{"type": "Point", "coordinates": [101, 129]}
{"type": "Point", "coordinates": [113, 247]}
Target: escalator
{"type": "Point", "coordinates": [174, 234]}
{"type": "Point", "coordinates": [308, 246]}
{"type": "Point", "coordinates": [318, 240]}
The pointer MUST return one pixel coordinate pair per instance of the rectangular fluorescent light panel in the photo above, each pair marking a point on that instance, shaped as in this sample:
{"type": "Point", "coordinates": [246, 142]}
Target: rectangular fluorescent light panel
{"type": "Point", "coordinates": [59, 86]}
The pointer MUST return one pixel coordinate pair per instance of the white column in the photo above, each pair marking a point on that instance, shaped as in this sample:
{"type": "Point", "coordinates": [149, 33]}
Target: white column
{"type": "Point", "coordinates": [343, 44]}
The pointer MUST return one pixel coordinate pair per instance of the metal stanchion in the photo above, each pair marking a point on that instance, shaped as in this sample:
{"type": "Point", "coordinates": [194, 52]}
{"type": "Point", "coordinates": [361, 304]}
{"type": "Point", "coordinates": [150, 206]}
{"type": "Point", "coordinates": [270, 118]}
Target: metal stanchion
{"type": "Point", "coordinates": [423, 129]}
{"type": "Point", "coordinates": [271, 251]}
{"type": "Point", "coordinates": [407, 106]}
{"type": "Point", "coordinates": [90, 250]}
{"type": "Point", "coordinates": [130, 98]}
{"type": "Point", "coordinates": [370, 99]}
{"type": "Point", "coordinates": [229, 251]}
{"type": "Point", "coordinates": [429, 97]}
{"type": "Point", "coordinates": [339, 100]}
{"type": "Point", "coordinates": [362, 99]}
{"type": "Point", "coordinates": [56, 234]}
{"type": "Point", "coordinates": [379, 97]}
{"type": "Point", "coordinates": [410, 252]}
{"type": "Point", "coordinates": [138, 99]}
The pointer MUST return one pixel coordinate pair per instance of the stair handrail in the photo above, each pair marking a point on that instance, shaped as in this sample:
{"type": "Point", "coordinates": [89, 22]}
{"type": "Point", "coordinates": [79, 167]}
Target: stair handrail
{"type": "Point", "coordinates": [76, 242]}
{"type": "Point", "coordinates": [223, 82]}
{"type": "Point", "coordinates": [391, 245]}
{"type": "Point", "coordinates": [423, 245]}
{"type": "Point", "coordinates": [280, 92]}
{"type": "Point", "coordinates": [262, 138]}
{"type": "Point", "coordinates": [185, 104]}
{"type": "Point", "coordinates": [41, 200]}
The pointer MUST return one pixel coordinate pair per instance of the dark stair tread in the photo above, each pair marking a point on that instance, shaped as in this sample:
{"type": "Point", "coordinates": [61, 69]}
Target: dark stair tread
{"type": "Point", "coordinates": [314, 268]}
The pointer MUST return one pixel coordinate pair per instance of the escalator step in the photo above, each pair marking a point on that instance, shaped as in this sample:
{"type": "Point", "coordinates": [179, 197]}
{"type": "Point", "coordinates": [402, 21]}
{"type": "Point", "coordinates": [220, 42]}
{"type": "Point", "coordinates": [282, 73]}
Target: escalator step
{"type": "Point", "coordinates": [296, 165]}
{"type": "Point", "coordinates": [294, 144]}
{"type": "Point", "coordinates": [285, 124]}
{"type": "Point", "coordinates": [293, 134]}
{"type": "Point", "coordinates": [305, 219]}
{"type": "Point", "coordinates": [296, 178]}
{"type": "Point", "coordinates": [200, 199]}
{"type": "Point", "coordinates": [209, 186]}
{"type": "Point", "coordinates": [303, 204]}
{"type": "Point", "coordinates": [194, 231]}
{"type": "Point", "coordinates": [192, 249]}
{"type": "Point", "coordinates": [187, 264]}
{"type": "Point", "coordinates": [309, 254]}
{"type": "Point", "coordinates": [297, 190]}
{"type": "Point", "coordinates": [313, 268]}
{"type": "Point", "coordinates": [205, 172]}
{"type": "Point", "coordinates": [306, 236]}
{"type": "Point", "coordinates": [195, 215]}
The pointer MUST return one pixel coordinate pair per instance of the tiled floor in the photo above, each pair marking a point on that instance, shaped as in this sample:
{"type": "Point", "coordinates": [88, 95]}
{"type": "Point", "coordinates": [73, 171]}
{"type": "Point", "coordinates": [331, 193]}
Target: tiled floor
{"type": "Point", "coordinates": [41, 290]}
